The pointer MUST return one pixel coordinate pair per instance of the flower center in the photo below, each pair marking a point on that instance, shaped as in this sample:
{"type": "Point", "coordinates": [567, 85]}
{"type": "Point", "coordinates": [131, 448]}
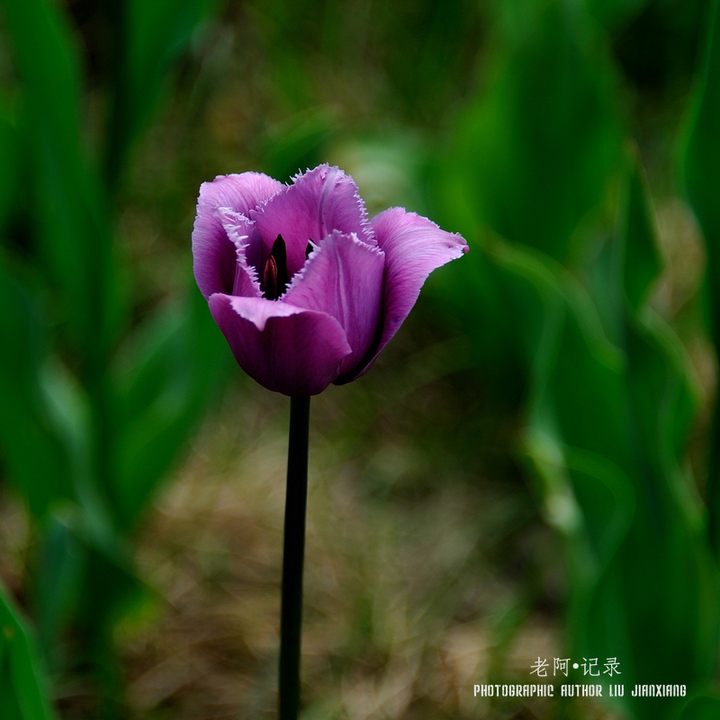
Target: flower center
{"type": "Point", "coordinates": [275, 275]}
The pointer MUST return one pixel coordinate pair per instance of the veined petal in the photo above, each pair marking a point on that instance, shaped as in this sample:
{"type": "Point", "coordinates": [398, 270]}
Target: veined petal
{"type": "Point", "coordinates": [344, 278]}
{"type": "Point", "coordinates": [414, 246]}
{"type": "Point", "coordinates": [213, 252]}
{"type": "Point", "coordinates": [245, 283]}
{"type": "Point", "coordinates": [287, 349]}
{"type": "Point", "coordinates": [318, 202]}
{"type": "Point", "coordinates": [244, 235]}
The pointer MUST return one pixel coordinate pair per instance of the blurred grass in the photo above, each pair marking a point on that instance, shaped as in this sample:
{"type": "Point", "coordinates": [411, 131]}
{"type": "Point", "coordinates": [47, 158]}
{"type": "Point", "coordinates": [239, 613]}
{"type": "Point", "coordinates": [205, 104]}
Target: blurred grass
{"type": "Point", "coordinates": [412, 594]}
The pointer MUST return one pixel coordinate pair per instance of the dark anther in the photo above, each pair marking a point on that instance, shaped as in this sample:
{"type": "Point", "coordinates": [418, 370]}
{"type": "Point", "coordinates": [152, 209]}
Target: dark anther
{"type": "Point", "coordinates": [275, 274]}
{"type": "Point", "coordinates": [308, 249]}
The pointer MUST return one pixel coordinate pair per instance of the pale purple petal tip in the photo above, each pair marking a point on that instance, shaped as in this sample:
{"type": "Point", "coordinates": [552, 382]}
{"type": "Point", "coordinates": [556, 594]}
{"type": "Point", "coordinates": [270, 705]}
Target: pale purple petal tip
{"type": "Point", "coordinates": [213, 252]}
{"type": "Point", "coordinates": [286, 349]}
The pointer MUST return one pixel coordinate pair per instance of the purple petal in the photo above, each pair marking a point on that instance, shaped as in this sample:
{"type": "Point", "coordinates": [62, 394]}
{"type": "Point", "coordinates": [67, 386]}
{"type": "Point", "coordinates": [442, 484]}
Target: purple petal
{"type": "Point", "coordinates": [344, 278]}
{"type": "Point", "coordinates": [286, 349]}
{"type": "Point", "coordinates": [213, 252]}
{"type": "Point", "coordinates": [318, 202]}
{"type": "Point", "coordinates": [242, 233]}
{"type": "Point", "coordinates": [414, 246]}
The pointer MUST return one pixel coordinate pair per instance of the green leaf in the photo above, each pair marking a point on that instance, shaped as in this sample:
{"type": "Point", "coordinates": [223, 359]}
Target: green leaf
{"type": "Point", "coordinates": [664, 571]}
{"type": "Point", "coordinates": [700, 169]}
{"type": "Point", "coordinates": [165, 398]}
{"type": "Point", "coordinates": [606, 431]}
{"type": "Point", "coordinates": [69, 205]}
{"type": "Point", "coordinates": [84, 574]}
{"type": "Point", "coordinates": [533, 154]}
{"type": "Point", "coordinates": [637, 239]}
{"type": "Point", "coordinates": [153, 34]}
{"type": "Point", "coordinates": [61, 564]}
{"type": "Point", "coordinates": [700, 161]}
{"type": "Point", "coordinates": [661, 383]}
{"type": "Point", "coordinates": [705, 707]}
{"type": "Point", "coordinates": [9, 164]}
{"type": "Point", "coordinates": [36, 456]}
{"type": "Point", "coordinates": [615, 13]}
{"type": "Point", "coordinates": [23, 691]}
{"type": "Point", "coordinates": [643, 581]}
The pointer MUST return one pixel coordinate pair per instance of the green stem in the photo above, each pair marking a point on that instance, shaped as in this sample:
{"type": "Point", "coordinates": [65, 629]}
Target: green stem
{"type": "Point", "coordinates": [293, 554]}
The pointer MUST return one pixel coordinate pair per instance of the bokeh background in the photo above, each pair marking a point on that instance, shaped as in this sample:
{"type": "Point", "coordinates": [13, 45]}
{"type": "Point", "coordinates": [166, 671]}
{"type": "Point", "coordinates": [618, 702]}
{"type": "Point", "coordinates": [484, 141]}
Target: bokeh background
{"type": "Point", "coordinates": [531, 469]}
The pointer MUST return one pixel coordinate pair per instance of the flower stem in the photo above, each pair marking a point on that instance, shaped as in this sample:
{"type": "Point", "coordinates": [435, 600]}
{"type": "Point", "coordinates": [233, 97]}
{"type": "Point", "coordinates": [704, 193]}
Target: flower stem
{"type": "Point", "coordinates": [293, 553]}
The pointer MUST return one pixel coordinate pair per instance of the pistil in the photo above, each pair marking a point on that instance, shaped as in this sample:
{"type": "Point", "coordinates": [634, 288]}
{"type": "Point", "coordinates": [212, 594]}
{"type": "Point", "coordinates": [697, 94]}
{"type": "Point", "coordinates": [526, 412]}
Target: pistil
{"type": "Point", "coordinates": [275, 275]}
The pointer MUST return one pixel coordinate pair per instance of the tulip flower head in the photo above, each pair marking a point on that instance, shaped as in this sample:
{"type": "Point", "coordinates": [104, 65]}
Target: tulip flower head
{"type": "Point", "coordinates": [306, 289]}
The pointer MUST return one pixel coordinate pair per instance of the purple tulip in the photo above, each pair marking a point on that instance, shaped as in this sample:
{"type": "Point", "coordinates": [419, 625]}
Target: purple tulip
{"type": "Point", "coordinates": [306, 289]}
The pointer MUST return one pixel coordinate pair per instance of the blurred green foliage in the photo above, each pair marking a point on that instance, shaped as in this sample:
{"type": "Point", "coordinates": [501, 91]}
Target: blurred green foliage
{"type": "Point", "coordinates": [23, 691]}
{"type": "Point", "coordinates": [611, 393]}
{"type": "Point", "coordinates": [85, 440]}
{"type": "Point", "coordinates": [525, 125]}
